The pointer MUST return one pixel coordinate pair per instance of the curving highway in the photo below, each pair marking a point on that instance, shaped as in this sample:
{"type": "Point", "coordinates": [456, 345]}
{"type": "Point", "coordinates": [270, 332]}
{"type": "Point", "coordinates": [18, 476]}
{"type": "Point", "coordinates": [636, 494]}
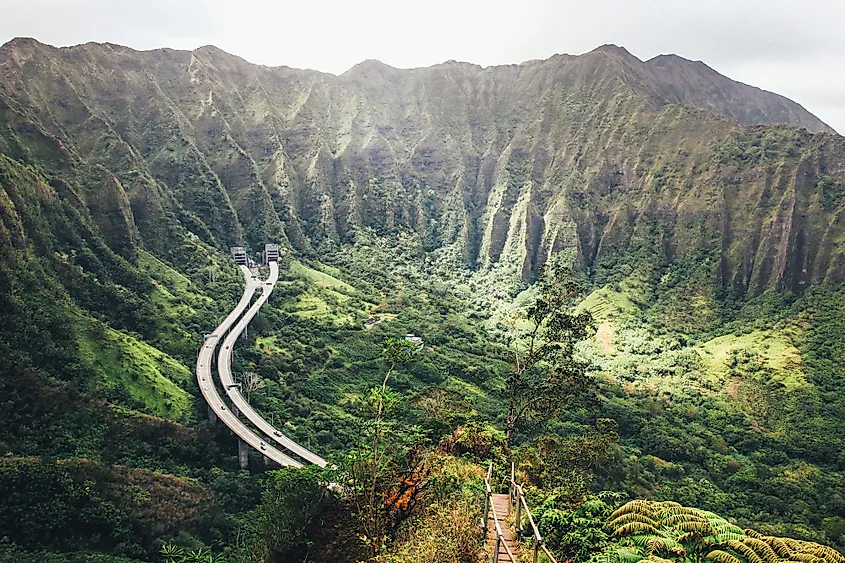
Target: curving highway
{"type": "Point", "coordinates": [224, 367]}
{"type": "Point", "coordinates": [206, 384]}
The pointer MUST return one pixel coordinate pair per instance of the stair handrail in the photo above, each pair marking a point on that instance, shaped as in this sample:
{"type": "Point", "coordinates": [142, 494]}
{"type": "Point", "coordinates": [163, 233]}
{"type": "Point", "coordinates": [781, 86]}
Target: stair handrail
{"type": "Point", "coordinates": [517, 498]}
{"type": "Point", "coordinates": [488, 508]}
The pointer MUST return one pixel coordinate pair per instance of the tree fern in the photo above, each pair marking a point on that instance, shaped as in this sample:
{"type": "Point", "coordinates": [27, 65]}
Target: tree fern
{"type": "Point", "coordinates": [661, 532]}
{"type": "Point", "coordinates": [722, 557]}
{"type": "Point", "coordinates": [656, 545]}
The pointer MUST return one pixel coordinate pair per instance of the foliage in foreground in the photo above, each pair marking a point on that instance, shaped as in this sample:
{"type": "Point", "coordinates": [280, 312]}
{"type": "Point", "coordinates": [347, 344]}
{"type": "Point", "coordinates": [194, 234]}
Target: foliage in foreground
{"type": "Point", "coordinates": [667, 531]}
{"type": "Point", "coordinates": [444, 528]}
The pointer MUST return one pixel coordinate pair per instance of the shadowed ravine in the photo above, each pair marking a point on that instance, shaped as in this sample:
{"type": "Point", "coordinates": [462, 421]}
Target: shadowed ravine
{"type": "Point", "coordinates": [593, 154]}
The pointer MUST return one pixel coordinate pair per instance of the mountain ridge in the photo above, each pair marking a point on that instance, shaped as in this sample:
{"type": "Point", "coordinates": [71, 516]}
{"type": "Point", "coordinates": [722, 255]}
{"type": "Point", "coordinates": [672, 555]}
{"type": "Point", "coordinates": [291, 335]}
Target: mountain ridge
{"type": "Point", "coordinates": [498, 166]}
{"type": "Point", "coordinates": [811, 122]}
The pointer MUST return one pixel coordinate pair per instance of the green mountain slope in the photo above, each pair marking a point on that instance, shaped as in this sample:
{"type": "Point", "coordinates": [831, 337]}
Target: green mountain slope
{"type": "Point", "coordinates": [704, 216]}
{"type": "Point", "coordinates": [503, 165]}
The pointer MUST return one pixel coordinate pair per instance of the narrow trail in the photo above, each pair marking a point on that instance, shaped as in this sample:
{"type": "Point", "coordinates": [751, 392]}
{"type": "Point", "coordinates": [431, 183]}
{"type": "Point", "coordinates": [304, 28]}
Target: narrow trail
{"type": "Point", "coordinates": [508, 545]}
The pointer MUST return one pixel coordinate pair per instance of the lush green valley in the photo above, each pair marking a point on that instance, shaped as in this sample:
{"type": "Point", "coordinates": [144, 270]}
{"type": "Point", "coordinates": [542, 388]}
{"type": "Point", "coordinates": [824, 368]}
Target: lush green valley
{"type": "Point", "coordinates": [707, 254]}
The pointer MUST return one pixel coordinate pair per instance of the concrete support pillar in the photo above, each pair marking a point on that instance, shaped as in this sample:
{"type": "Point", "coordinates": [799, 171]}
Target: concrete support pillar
{"type": "Point", "coordinates": [243, 454]}
{"type": "Point", "coordinates": [212, 417]}
{"type": "Point", "coordinates": [243, 449]}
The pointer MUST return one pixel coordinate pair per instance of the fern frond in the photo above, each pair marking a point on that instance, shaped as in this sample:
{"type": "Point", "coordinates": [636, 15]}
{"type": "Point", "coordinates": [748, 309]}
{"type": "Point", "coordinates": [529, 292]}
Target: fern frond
{"type": "Point", "coordinates": [622, 555]}
{"type": "Point", "coordinates": [676, 519]}
{"type": "Point", "coordinates": [637, 506]}
{"type": "Point", "coordinates": [632, 517]}
{"type": "Point", "coordinates": [763, 549]}
{"type": "Point", "coordinates": [689, 537]}
{"type": "Point", "coordinates": [721, 557]}
{"type": "Point", "coordinates": [702, 528]}
{"type": "Point", "coordinates": [673, 510]}
{"type": "Point", "coordinates": [824, 552]}
{"type": "Point", "coordinates": [780, 546]}
{"type": "Point", "coordinates": [665, 508]}
{"type": "Point", "coordinates": [641, 540]}
{"type": "Point", "coordinates": [727, 528]}
{"type": "Point", "coordinates": [728, 537]}
{"type": "Point", "coordinates": [754, 534]}
{"type": "Point", "coordinates": [635, 528]}
{"type": "Point", "coordinates": [745, 551]}
{"type": "Point", "coordinates": [655, 545]}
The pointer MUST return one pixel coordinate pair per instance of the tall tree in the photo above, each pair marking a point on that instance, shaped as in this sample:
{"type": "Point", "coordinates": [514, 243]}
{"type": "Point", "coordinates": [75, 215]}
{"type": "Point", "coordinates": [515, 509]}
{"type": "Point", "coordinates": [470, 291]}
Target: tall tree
{"type": "Point", "coordinates": [545, 376]}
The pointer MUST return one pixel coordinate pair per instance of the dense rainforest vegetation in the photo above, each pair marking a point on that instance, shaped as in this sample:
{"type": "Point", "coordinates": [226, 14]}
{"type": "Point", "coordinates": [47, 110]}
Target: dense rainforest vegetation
{"type": "Point", "coordinates": [716, 419]}
{"type": "Point", "coordinates": [685, 273]}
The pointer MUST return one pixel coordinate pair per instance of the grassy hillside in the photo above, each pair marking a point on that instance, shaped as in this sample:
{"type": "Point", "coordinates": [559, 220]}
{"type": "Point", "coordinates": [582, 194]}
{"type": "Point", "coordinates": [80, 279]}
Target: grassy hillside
{"type": "Point", "coordinates": [424, 202]}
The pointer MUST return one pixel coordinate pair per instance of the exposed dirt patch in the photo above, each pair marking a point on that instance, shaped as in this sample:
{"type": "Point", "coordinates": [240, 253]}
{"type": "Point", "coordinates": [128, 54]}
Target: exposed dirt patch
{"type": "Point", "coordinates": [604, 335]}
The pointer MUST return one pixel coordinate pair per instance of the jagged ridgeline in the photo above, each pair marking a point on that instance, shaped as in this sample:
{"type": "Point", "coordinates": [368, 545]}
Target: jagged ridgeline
{"type": "Point", "coordinates": [611, 158]}
{"type": "Point", "coordinates": [126, 175]}
{"type": "Point", "coordinates": [659, 532]}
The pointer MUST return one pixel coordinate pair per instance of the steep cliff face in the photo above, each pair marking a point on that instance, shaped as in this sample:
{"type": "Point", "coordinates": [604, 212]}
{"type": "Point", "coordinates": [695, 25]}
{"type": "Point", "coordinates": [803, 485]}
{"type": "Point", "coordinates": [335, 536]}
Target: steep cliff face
{"type": "Point", "coordinates": [600, 154]}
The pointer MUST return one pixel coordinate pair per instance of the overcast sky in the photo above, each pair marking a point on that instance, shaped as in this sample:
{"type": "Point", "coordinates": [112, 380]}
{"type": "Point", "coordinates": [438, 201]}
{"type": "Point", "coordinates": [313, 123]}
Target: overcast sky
{"type": "Point", "coordinates": [793, 48]}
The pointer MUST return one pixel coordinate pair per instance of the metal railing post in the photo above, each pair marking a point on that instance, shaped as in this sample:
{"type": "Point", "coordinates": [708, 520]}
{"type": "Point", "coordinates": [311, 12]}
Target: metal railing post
{"type": "Point", "coordinates": [518, 513]}
{"type": "Point", "coordinates": [486, 514]}
{"type": "Point", "coordinates": [536, 547]}
{"type": "Point", "coordinates": [512, 485]}
{"type": "Point", "coordinates": [496, 552]}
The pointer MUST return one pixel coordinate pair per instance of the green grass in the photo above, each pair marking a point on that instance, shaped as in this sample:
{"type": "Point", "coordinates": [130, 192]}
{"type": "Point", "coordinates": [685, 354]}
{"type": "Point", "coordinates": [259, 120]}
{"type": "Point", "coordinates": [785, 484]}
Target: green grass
{"type": "Point", "coordinates": [614, 302]}
{"type": "Point", "coordinates": [327, 298]}
{"type": "Point", "coordinates": [173, 281]}
{"type": "Point", "coordinates": [320, 279]}
{"type": "Point", "coordinates": [773, 348]}
{"type": "Point", "coordinates": [148, 375]}
{"type": "Point", "coordinates": [270, 345]}
{"type": "Point", "coordinates": [310, 306]}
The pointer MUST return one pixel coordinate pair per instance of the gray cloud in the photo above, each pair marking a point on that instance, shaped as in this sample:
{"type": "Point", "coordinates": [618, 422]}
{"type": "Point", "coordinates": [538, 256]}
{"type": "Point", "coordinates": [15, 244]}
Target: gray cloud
{"type": "Point", "coordinates": [796, 49]}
